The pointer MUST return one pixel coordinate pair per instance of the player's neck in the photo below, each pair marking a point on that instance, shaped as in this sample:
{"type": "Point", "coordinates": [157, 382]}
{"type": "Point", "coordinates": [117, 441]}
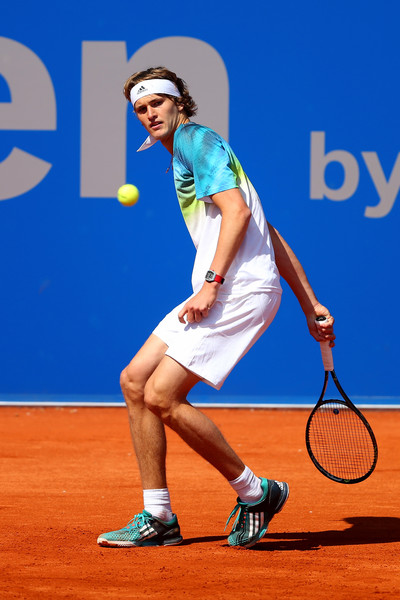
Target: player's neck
{"type": "Point", "coordinates": [168, 142]}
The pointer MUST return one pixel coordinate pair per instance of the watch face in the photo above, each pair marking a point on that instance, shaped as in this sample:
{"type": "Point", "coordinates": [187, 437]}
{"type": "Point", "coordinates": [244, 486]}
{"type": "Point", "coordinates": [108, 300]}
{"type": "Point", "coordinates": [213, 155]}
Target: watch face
{"type": "Point", "coordinates": [210, 276]}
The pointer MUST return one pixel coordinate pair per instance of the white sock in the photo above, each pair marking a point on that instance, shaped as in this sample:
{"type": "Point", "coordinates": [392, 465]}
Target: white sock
{"type": "Point", "coordinates": [247, 486]}
{"type": "Point", "coordinates": [158, 503]}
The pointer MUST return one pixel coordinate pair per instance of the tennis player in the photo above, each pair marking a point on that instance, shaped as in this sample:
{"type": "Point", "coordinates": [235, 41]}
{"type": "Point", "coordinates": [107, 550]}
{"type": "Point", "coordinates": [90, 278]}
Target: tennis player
{"type": "Point", "coordinates": [236, 294]}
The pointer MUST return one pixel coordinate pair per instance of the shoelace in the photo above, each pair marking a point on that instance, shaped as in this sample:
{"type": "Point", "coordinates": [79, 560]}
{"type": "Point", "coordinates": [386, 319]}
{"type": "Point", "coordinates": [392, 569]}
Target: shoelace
{"type": "Point", "coordinates": [138, 521]}
{"type": "Point", "coordinates": [233, 513]}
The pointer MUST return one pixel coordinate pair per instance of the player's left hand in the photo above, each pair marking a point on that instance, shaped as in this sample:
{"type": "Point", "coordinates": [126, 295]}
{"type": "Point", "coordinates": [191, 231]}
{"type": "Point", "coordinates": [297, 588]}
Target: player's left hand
{"type": "Point", "coordinates": [199, 305]}
{"type": "Point", "coordinates": [322, 331]}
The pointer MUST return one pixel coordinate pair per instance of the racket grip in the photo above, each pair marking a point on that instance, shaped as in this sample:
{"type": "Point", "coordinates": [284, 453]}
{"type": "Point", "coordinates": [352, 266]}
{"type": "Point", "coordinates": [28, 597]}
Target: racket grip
{"type": "Point", "coordinates": [327, 358]}
{"type": "Point", "coordinates": [326, 352]}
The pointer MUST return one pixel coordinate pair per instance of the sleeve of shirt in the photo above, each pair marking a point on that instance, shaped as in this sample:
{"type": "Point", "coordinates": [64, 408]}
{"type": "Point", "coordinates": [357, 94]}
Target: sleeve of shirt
{"type": "Point", "coordinates": [210, 163]}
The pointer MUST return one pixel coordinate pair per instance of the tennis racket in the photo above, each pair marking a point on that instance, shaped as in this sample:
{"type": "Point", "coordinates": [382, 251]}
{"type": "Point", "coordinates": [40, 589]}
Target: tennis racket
{"type": "Point", "coordinates": [339, 439]}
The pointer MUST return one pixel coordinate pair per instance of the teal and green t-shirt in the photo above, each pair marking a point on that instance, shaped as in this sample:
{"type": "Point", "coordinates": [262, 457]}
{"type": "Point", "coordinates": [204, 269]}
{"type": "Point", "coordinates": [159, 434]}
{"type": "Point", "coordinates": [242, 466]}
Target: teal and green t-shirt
{"type": "Point", "coordinates": [205, 164]}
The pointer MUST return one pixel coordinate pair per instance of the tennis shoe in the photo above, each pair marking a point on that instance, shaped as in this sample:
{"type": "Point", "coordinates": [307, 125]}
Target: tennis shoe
{"type": "Point", "coordinates": [253, 519]}
{"type": "Point", "coordinates": [143, 530]}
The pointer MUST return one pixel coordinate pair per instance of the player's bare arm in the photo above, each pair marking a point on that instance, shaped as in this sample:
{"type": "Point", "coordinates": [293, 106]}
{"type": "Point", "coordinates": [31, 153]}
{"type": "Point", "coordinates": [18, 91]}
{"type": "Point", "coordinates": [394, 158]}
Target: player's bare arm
{"type": "Point", "coordinates": [235, 220]}
{"type": "Point", "coordinates": [293, 273]}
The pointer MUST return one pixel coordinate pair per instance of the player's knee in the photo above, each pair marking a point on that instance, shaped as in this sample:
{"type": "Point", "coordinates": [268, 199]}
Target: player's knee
{"type": "Point", "coordinates": [156, 399]}
{"type": "Point", "coordinates": [131, 385]}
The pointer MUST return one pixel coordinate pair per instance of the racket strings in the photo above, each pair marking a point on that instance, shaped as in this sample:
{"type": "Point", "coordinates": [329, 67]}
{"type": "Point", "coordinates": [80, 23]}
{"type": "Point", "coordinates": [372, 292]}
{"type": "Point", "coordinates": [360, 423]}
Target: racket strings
{"type": "Point", "coordinates": [340, 441]}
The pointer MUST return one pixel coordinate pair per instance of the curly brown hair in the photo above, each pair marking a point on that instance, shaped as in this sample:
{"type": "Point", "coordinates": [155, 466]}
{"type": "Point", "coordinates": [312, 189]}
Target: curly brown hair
{"type": "Point", "coordinates": [185, 99]}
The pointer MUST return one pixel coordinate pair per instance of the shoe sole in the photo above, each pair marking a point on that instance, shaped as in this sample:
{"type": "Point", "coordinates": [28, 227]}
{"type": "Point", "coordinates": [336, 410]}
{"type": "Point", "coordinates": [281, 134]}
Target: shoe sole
{"type": "Point", "coordinates": [109, 544]}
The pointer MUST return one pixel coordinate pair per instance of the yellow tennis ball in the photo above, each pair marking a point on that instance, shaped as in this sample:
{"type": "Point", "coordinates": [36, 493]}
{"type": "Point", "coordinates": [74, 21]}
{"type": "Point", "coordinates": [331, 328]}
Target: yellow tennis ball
{"type": "Point", "coordinates": [128, 194]}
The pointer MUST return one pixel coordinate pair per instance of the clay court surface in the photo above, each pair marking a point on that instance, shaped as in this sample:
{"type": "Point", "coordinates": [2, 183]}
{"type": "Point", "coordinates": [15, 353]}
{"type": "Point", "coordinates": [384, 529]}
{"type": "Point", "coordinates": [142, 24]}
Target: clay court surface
{"type": "Point", "coordinates": [69, 474]}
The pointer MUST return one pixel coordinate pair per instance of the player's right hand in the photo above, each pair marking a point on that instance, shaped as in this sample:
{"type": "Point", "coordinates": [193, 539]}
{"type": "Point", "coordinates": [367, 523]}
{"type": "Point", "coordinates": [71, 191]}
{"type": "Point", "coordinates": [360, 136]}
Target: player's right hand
{"type": "Point", "coordinates": [199, 305]}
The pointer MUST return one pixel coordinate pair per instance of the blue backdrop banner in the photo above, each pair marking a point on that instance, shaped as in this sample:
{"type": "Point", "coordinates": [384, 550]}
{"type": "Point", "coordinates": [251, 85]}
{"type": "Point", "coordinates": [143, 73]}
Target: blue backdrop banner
{"type": "Point", "coordinates": [307, 95]}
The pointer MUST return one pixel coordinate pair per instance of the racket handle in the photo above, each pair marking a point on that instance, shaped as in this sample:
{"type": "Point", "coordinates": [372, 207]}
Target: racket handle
{"type": "Point", "coordinates": [326, 352]}
{"type": "Point", "coordinates": [327, 358]}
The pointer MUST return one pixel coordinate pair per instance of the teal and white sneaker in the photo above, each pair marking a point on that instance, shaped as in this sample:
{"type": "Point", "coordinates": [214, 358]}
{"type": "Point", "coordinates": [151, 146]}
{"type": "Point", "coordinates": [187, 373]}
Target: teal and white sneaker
{"type": "Point", "coordinates": [143, 530]}
{"type": "Point", "coordinates": [252, 522]}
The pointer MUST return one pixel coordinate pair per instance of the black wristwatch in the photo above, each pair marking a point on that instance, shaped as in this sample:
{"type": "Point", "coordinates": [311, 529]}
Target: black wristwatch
{"type": "Point", "coordinates": [212, 276]}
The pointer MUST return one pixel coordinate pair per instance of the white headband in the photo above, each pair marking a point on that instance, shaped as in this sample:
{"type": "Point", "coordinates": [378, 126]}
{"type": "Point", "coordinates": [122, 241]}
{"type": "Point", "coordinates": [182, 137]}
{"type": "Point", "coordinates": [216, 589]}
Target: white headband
{"type": "Point", "coordinates": [152, 86]}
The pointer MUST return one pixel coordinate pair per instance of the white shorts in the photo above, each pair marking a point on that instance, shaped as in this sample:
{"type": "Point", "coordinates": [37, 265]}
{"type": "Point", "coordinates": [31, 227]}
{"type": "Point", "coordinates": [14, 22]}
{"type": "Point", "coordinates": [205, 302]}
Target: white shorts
{"type": "Point", "coordinates": [211, 348]}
